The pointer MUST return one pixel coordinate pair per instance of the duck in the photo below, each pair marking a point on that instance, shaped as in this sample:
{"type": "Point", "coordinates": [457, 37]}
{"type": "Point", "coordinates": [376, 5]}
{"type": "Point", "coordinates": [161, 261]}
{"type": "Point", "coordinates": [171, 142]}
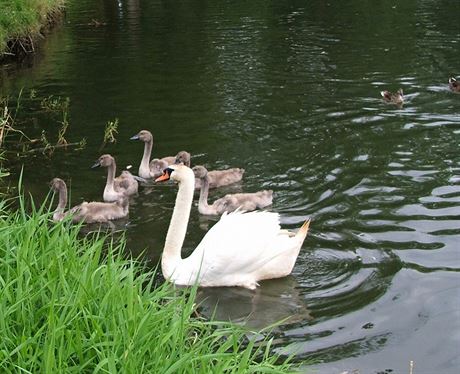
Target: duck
{"type": "Point", "coordinates": [454, 85]}
{"type": "Point", "coordinates": [217, 178]}
{"type": "Point", "coordinates": [150, 170]}
{"type": "Point", "coordinates": [393, 98]}
{"type": "Point", "coordinates": [230, 202]}
{"type": "Point", "coordinates": [240, 250]}
{"type": "Point", "coordinates": [87, 212]}
{"type": "Point", "coordinates": [116, 188]}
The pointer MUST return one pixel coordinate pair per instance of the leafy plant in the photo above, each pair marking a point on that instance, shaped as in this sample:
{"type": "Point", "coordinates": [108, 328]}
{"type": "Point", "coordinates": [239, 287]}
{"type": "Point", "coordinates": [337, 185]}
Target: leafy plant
{"type": "Point", "coordinates": [8, 118]}
{"type": "Point", "coordinates": [63, 129]}
{"type": "Point", "coordinates": [10, 122]}
{"type": "Point", "coordinates": [111, 128]}
{"type": "Point", "coordinates": [32, 93]}
{"type": "Point", "coordinates": [55, 103]}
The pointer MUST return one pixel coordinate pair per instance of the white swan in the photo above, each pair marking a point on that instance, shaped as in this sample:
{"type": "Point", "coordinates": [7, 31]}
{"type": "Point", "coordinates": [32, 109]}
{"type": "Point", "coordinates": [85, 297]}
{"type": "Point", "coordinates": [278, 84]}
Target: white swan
{"type": "Point", "coordinates": [87, 212]}
{"type": "Point", "coordinates": [153, 169]}
{"type": "Point", "coordinates": [239, 250]}
{"type": "Point", "coordinates": [116, 188]}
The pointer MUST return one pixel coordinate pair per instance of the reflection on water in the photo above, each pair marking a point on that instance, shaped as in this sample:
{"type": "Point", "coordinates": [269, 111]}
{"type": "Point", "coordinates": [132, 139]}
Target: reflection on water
{"type": "Point", "coordinates": [291, 92]}
{"type": "Point", "coordinates": [275, 301]}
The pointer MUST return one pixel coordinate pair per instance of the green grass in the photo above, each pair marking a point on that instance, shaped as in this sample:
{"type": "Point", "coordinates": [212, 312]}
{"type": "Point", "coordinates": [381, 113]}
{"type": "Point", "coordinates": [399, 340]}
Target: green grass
{"type": "Point", "coordinates": [76, 305]}
{"type": "Point", "coordinates": [24, 18]}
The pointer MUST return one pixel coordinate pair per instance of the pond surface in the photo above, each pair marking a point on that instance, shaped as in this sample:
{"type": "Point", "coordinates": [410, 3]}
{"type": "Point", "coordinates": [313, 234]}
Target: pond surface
{"type": "Point", "coordinates": [289, 91]}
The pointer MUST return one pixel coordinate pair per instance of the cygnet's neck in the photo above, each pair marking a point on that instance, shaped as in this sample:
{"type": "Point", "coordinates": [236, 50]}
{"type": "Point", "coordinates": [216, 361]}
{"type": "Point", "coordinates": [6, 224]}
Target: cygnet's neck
{"type": "Point", "coordinates": [111, 170]}
{"type": "Point", "coordinates": [203, 206]}
{"type": "Point", "coordinates": [144, 168]}
{"type": "Point", "coordinates": [59, 212]}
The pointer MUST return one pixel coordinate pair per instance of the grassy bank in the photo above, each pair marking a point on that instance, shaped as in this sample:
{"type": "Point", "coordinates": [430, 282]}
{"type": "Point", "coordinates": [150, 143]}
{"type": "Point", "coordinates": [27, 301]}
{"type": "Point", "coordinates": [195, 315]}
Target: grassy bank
{"type": "Point", "coordinates": [76, 305]}
{"type": "Point", "coordinates": [21, 22]}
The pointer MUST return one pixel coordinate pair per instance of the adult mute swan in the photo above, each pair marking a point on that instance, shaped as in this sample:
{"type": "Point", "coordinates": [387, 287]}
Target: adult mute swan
{"type": "Point", "coordinates": [230, 202]}
{"type": "Point", "coordinates": [116, 188]}
{"type": "Point", "coordinates": [153, 169]}
{"type": "Point", "coordinates": [239, 250]}
{"type": "Point", "coordinates": [87, 212]}
{"type": "Point", "coordinates": [217, 178]}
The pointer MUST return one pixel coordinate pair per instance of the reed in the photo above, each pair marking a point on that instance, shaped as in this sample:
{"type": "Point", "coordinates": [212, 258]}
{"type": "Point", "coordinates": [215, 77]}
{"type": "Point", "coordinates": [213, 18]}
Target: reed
{"type": "Point", "coordinates": [111, 128]}
{"type": "Point", "coordinates": [73, 304]}
{"type": "Point", "coordinates": [8, 117]}
{"type": "Point", "coordinates": [11, 122]}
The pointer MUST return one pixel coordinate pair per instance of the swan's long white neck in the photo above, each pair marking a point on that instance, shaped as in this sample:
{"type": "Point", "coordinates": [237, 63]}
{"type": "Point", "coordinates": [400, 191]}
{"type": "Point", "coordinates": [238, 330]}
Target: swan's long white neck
{"type": "Point", "coordinates": [171, 257]}
{"type": "Point", "coordinates": [144, 168]}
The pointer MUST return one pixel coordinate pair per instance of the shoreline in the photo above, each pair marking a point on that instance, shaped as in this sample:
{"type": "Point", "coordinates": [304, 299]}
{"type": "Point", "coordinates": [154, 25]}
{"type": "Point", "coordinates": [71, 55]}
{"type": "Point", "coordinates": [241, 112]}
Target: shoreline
{"type": "Point", "coordinates": [22, 26]}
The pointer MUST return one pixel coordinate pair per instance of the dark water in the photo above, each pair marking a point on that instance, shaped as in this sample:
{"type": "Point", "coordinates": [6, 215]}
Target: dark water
{"type": "Point", "coordinates": [289, 91]}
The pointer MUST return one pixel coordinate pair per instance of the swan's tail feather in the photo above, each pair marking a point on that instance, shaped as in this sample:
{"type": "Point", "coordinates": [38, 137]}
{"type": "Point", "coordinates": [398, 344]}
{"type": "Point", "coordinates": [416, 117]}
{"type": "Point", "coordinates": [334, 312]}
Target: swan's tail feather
{"type": "Point", "coordinates": [303, 231]}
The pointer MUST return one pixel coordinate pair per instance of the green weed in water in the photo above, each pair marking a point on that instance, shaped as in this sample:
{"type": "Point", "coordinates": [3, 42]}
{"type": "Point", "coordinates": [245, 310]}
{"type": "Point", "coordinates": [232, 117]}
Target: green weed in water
{"type": "Point", "coordinates": [10, 122]}
{"type": "Point", "coordinates": [111, 128]}
{"type": "Point", "coordinates": [63, 129]}
{"type": "Point", "coordinates": [8, 118]}
{"type": "Point", "coordinates": [55, 103]}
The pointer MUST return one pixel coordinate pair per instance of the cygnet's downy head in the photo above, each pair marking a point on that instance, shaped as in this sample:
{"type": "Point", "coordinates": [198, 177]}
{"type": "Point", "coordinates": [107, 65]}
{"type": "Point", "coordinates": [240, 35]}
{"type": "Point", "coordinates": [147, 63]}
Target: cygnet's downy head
{"type": "Point", "coordinates": [157, 166]}
{"type": "Point", "coordinates": [104, 161]}
{"type": "Point", "coordinates": [56, 184]}
{"type": "Point", "coordinates": [200, 171]}
{"type": "Point", "coordinates": [143, 135]}
{"type": "Point", "coordinates": [183, 157]}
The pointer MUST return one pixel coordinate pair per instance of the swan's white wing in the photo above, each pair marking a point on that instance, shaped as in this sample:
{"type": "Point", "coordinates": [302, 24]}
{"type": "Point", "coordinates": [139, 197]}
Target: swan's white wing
{"type": "Point", "coordinates": [239, 243]}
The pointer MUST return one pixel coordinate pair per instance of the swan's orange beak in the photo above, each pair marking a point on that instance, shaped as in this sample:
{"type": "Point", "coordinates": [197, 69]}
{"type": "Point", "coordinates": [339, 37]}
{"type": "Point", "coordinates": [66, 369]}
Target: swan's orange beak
{"type": "Point", "coordinates": [166, 175]}
{"type": "Point", "coordinates": [162, 178]}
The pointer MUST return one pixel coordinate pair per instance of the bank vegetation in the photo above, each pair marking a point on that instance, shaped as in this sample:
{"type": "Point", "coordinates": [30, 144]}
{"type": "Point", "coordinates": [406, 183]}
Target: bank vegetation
{"type": "Point", "coordinates": [23, 23]}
